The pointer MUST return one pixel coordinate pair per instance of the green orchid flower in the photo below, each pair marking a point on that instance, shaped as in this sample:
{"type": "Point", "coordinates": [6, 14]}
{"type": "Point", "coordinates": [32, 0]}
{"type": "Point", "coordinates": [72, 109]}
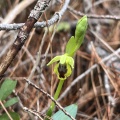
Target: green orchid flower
{"type": "Point", "coordinates": [65, 65]}
{"type": "Point", "coordinates": [63, 68]}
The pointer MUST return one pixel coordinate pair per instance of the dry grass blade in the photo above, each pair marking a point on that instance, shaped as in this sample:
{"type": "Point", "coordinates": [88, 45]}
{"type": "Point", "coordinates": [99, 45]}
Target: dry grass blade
{"type": "Point", "coordinates": [5, 110]}
{"type": "Point", "coordinates": [84, 74]}
{"type": "Point", "coordinates": [106, 70]}
{"type": "Point", "coordinates": [94, 89]}
{"type": "Point", "coordinates": [104, 43]}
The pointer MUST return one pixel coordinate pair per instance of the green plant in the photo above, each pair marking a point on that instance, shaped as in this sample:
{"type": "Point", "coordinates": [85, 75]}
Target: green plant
{"type": "Point", "coordinates": [65, 62]}
{"type": "Point", "coordinates": [5, 90]}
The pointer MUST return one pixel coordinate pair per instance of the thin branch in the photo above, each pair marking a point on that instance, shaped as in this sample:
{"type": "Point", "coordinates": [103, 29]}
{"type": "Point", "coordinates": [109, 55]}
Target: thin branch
{"type": "Point", "coordinates": [23, 34]}
{"type": "Point", "coordinates": [34, 112]}
{"type": "Point", "coordinates": [104, 43]}
{"type": "Point", "coordinates": [54, 19]}
{"type": "Point", "coordinates": [37, 60]}
{"type": "Point", "coordinates": [115, 17]}
{"type": "Point", "coordinates": [89, 96]}
{"type": "Point", "coordinates": [15, 11]}
{"type": "Point", "coordinates": [96, 3]}
{"type": "Point", "coordinates": [25, 108]}
{"type": "Point", "coordinates": [31, 111]}
{"type": "Point", "coordinates": [49, 96]}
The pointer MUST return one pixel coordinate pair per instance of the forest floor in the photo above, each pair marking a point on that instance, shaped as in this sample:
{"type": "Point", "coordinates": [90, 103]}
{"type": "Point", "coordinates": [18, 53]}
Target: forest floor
{"type": "Point", "coordinates": [95, 81]}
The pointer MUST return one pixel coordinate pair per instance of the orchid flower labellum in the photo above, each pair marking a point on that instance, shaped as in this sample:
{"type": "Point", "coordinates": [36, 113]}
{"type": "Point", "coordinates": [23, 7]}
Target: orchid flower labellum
{"type": "Point", "coordinates": [64, 67]}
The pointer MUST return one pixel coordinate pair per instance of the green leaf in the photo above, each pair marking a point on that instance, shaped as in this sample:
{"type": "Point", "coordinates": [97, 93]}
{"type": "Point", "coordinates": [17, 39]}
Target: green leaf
{"type": "Point", "coordinates": [60, 115]}
{"type": "Point", "coordinates": [14, 115]}
{"type": "Point", "coordinates": [71, 46]}
{"type": "Point", "coordinates": [75, 42]}
{"type": "Point", "coordinates": [7, 88]}
{"type": "Point", "coordinates": [11, 102]}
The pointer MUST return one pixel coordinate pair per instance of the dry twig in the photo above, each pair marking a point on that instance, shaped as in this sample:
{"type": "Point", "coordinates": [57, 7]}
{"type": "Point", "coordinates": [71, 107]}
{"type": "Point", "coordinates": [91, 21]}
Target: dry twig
{"type": "Point", "coordinates": [23, 34]}
{"type": "Point", "coordinates": [49, 96]}
{"type": "Point", "coordinates": [14, 12]}
{"type": "Point", "coordinates": [94, 16]}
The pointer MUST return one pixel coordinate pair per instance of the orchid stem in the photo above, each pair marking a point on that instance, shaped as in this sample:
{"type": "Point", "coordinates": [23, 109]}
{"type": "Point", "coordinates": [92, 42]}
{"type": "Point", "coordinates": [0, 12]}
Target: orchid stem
{"type": "Point", "coordinates": [57, 93]}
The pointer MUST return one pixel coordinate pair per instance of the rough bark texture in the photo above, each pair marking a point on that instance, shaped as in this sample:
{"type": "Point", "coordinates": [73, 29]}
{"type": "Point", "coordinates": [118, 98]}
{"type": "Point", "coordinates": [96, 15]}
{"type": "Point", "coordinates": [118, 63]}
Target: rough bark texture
{"type": "Point", "coordinates": [23, 34]}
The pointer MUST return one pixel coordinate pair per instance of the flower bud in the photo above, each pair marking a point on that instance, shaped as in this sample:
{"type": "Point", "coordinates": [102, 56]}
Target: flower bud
{"type": "Point", "coordinates": [80, 31]}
